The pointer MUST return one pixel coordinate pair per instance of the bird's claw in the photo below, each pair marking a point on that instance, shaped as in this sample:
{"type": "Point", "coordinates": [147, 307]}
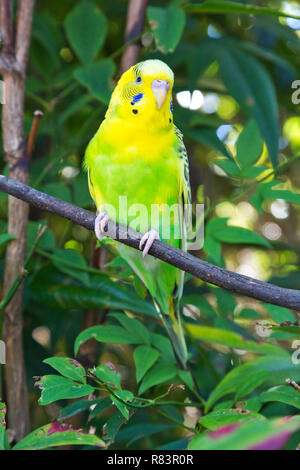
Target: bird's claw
{"type": "Point", "coordinates": [148, 240]}
{"type": "Point", "coordinates": [100, 224]}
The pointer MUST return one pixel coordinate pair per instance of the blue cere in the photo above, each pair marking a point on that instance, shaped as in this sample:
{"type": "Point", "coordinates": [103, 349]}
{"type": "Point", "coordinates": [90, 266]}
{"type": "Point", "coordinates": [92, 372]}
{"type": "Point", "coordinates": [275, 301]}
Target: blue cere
{"type": "Point", "coordinates": [137, 98]}
{"type": "Point", "coordinates": [171, 107]}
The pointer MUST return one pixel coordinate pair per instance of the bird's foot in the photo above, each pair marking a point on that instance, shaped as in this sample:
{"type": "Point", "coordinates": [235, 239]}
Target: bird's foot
{"type": "Point", "coordinates": [147, 241]}
{"type": "Point", "coordinates": [100, 224]}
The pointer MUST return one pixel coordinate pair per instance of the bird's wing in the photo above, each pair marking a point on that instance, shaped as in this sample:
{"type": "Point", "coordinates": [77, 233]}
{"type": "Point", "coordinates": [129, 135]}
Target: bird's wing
{"type": "Point", "coordinates": [185, 201]}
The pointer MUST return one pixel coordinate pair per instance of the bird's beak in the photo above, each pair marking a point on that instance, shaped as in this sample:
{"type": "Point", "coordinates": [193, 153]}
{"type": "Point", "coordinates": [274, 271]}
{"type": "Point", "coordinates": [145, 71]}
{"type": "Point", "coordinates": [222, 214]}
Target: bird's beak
{"type": "Point", "coordinates": [160, 89]}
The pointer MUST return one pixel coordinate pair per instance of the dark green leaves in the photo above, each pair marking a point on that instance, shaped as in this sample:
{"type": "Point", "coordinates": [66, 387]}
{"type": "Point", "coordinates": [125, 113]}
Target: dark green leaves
{"type": "Point", "coordinates": [55, 387]}
{"type": "Point", "coordinates": [67, 367]}
{"type": "Point", "coordinates": [221, 7]}
{"type": "Point", "coordinates": [282, 393]}
{"type": "Point", "coordinates": [265, 434]}
{"type": "Point", "coordinates": [158, 374]}
{"type": "Point", "coordinates": [167, 26]}
{"type": "Point", "coordinates": [249, 145]}
{"type": "Point", "coordinates": [106, 334]}
{"type": "Point", "coordinates": [86, 29]}
{"type": "Point", "coordinates": [248, 82]}
{"type": "Point", "coordinates": [221, 232]}
{"type": "Point", "coordinates": [233, 340]}
{"type": "Point", "coordinates": [96, 78]}
{"type": "Point", "coordinates": [57, 434]}
{"type": "Point", "coordinates": [219, 418]}
{"type": "Point", "coordinates": [245, 378]}
{"type": "Point", "coordinates": [144, 358]}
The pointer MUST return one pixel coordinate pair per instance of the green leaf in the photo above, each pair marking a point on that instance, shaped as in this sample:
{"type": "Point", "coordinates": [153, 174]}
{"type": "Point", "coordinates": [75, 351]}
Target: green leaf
{"type": "Point", "coordinates": [104, 293]}
{"type": "Point", "coordinates": [229, 167]}
{"type": "Point", "coordinates": [248, 435]}
{"type": "Point", "coordinates": [214, 250]}
{"type": "Point", "coordinates": [4, 445]}
{"type": "Point", "coordinates": [74, 258]}
{"type": "Point", "coordinates": [293, 330]}
{"type": "Point", "coordinates": [249, 145]}
{"type": "Point", "coordinates": [217, 419]}
{"type": "Point", "coordinates": [47, 242]}
{"type": "Point", "coordinates": [67, 367]}
{"type": "Point", "coordinates": [226, 302]}
{"type": "Point", "coordinates": [96, 78]}
{"type": "Point", "coordinates": [248, 82]}
{"type": "Point", "coordinates": [110, 377]}
{"type": "Point", "coordinates": [158, 374]}
{"type": "Point", "coordinates": [163, 345]}
{"type": "Point", "coordinates": [102, 405]}
{"type": "Point", "coordinates": [46, 30]}
{"type": "Point", "coordinates": [124, 395]}
{"type": "Point", "coordinates": [55, 387]}
{"type": "Point", "coordinates": [232, 234]}
{"type": "Point", "coordinates": [207, 137]}
{"type": "Point", "coordinates": [77, 407]}
{"type": "Point", "coordinates": [187, 379]}
{"type": "Point", "coordinates": [57, 434]}
{"type": "Point", "coordinates": [112, 426]}
{"type": "Point", "coordinates": [267, 192]}
{"type": "Point", "coordinates": [139, 431]}
{"type": "Point", "coordinates": [6, 237]}
{"type": "Point", "coordinates": [86, 28]}
{"type": "Point", "coordinates": [201, 303]}
{"type": "Point", "coordinates": [233, 340]}
{"type": "Point", "coordinates": [282, 393]}
{"type": "Point", "coordinates": [220, 7]}
{"type": "Point", "coordinates": [167, 25]}
{"type": "Point", "coordinates": [245, 378]}
{"type": "Point", "coordinates": [133, 326]}
{"type": "Point", "coordinates": [59, 190]}
{"type": "Point", "coordinates": [144, 358]}
{"type": "Point", "coordinates": [279, 314]}
{"type": "Point", "coordinates": [106, 334]}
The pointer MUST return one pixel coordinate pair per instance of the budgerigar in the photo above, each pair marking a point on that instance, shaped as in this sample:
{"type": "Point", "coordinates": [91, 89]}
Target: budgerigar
{"type": "Point", "coordinates": [138, 154]}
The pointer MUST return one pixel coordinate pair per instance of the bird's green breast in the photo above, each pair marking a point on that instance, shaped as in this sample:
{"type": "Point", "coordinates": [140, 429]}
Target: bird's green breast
{"type": "Point", "coordinates": [131, 177]}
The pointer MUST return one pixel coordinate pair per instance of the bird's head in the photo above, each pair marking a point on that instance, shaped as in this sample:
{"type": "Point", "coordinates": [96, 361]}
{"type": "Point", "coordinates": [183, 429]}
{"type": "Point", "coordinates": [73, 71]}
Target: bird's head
{"type": "Point", "coordinates": [144, 93]}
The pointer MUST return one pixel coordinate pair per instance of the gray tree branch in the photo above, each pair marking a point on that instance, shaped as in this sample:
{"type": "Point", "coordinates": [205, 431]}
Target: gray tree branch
{"type": "Point", "coordinates": [207, 272]}
{"type": "Point", "coordinates": [15, 53]}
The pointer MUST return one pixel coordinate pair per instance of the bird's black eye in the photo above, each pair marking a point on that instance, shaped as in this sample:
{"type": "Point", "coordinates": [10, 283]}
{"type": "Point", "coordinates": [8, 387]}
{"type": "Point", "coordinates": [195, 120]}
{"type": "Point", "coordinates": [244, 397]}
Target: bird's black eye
{"type": "Point", "coordinates": [138, 79]}
{"type": "Point", "coordinates": [135, 111]}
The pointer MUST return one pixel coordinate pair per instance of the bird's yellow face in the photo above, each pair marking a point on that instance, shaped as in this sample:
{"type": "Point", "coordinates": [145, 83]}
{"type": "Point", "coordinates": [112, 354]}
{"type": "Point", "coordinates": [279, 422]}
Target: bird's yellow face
{"type": "Point", "coordinates": [143, 95]}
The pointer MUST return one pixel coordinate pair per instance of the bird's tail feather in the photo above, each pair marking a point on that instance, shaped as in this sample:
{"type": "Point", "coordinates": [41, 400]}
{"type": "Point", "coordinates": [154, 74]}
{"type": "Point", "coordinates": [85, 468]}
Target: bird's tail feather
{"type": "Point", "coordinates": [172, 323]}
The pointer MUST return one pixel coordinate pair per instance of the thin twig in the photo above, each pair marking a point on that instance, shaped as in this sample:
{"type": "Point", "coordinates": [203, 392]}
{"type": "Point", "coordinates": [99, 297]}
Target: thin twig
{"type": "Point", "coordinates": [37, 116]}
{"type": "Point", "coordinates": [207, 272]}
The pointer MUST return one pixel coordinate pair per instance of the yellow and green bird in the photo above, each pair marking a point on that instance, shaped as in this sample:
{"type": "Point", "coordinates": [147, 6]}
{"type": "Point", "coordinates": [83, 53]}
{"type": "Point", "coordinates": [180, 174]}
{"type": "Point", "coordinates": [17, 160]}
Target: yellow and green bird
{"type": "Point", "coordinates": [138, 166]}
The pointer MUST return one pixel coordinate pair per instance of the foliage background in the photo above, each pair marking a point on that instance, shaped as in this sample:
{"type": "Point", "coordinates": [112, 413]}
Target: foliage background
{"type": "Point", "coordinates": [243, 145]}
